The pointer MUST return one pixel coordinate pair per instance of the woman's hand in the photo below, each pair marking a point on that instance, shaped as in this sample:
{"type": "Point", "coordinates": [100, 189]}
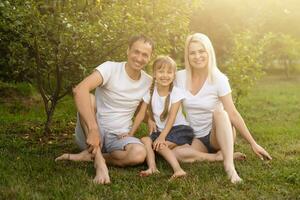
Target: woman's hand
{"type": "Point", "coordinates": [260, 152]}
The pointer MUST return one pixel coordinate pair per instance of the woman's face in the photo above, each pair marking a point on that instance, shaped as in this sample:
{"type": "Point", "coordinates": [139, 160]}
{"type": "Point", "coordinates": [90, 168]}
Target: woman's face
{"type": "Point", "coordinates": [198, 56]}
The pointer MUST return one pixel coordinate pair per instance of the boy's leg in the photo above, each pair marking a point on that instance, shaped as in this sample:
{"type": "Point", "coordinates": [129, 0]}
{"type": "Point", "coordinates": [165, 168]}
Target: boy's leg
{"type": "Point", "coordinates": [150, 158]}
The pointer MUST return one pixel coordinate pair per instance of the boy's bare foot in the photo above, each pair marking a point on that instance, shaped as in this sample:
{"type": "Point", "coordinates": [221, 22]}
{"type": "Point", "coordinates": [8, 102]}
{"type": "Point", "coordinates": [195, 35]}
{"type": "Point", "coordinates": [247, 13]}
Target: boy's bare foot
{"type": "Point", "coordinates": [178, 174]}
{"type": "Point", "coordinates": [148, 172]}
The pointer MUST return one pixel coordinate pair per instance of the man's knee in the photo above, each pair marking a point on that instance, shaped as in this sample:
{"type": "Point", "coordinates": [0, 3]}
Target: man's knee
{"type": "Point", "coordinates": [146, 140]}
{"type": "Point", "coordinates": [136, 153]}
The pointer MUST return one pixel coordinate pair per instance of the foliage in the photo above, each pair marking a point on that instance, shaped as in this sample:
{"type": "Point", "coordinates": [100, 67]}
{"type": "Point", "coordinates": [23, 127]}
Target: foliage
{"type": "Point", "coordinates": [55, 43]}
{"type": "Point", "coordinates": [283, 52]}
{"type": "Point", "coordinates": [244, 62]}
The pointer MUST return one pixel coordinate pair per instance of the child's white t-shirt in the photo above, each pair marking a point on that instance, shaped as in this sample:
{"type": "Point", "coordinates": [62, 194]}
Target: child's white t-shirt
{"type": "Point", "coordinates": [199, 107]}
{"type": "Point", "coordinates": [158, 105]}
{"type": "Point", "coordinates": [118, 97]}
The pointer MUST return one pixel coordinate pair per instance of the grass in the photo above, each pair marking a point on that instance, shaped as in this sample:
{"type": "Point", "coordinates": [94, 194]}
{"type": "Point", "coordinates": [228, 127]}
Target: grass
{"type": "Point", "coordinates": [28, 170]}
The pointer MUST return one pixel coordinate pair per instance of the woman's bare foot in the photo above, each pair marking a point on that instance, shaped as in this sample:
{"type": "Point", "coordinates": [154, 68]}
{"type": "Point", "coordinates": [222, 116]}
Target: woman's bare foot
{"type": "Point", "coordinates": [148, 172]}
{"type": "Point", "coordinates": [239, 156]}
{"type": "Point", "coordinates": [233, 176]}
{"type": "Point", "coordinates": [178, 174]}
{"type": "Point", "coordinates": [82, 156]}
{"type": "Point", "coordinates": [236, 156]}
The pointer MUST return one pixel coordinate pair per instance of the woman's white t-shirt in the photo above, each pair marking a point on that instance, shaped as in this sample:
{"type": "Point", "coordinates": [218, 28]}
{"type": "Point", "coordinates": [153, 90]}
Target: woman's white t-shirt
{"type": "Point", "coordinates": [199, 107]}
{"type": "Point", "coordinates": [158, 105]}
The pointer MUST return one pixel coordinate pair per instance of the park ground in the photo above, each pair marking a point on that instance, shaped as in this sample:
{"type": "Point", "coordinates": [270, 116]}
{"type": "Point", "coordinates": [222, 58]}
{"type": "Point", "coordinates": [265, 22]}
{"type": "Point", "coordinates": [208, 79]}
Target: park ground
{"type": "Point", "coordinates": [28, 170]}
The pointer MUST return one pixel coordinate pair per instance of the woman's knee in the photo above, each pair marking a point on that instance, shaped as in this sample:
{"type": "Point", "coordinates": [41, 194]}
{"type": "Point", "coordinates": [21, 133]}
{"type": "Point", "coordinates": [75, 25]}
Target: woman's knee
{"type": "Point", "coordinates": [220, 114]}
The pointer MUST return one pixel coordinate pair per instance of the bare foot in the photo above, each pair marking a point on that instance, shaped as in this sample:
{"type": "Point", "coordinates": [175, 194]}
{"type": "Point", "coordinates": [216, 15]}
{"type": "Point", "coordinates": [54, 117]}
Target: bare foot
{"type": "Point", "coordinates": [102, 176]}
{"type": "Point", "coordinates": [233, 176]}
{"type": "Point", "coordinates": [178, 174]}
{"type": "Point", "coordinates": [148, 172]}
{"type": "Point", "coordinates": [236, 156]}
{"type": "Point", "coordinates": [82, 156]}
{"type": "Point", "coordinates": [239, 156]}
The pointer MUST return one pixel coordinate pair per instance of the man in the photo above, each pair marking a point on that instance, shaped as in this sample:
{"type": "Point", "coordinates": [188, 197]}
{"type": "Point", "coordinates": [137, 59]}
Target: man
{"type": "Point", "coordinates": [104, 120]}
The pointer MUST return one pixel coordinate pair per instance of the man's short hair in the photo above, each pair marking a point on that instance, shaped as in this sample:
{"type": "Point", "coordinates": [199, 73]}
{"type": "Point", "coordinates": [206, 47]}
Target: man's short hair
{"type": "Point", "coordinates": [143, 38]}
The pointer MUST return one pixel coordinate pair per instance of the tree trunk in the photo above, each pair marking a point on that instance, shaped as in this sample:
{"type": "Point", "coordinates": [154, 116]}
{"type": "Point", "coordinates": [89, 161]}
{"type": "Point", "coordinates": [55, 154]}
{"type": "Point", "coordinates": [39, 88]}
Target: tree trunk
{"type": "Point", "coordinates": [49, 113]}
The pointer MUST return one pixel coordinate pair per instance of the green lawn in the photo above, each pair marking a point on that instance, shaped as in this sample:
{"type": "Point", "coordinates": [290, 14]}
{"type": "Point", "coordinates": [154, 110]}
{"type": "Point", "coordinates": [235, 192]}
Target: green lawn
{"type": "Point", "coordinates": [28, 170]}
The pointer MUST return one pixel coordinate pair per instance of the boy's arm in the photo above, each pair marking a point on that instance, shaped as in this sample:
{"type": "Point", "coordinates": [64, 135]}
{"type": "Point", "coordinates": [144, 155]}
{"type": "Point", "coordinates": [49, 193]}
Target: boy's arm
{"type": "Point", "coordinates": [138, 119]}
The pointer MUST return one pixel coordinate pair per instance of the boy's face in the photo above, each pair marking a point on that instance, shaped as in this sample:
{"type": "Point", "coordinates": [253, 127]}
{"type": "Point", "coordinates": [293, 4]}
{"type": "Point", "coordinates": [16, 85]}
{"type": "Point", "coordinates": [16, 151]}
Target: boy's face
{"type": "Point", "coordinates": [139, 55]}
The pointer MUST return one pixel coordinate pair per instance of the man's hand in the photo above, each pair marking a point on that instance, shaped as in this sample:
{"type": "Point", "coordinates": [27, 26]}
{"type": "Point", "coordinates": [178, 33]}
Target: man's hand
{"type": "Point", "coordinates": [123, 135]}
{"type": "Point", "coordinates": [93, 141]}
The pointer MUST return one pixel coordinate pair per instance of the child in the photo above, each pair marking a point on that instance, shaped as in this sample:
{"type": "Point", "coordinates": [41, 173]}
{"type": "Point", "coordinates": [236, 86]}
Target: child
{"type": "Point", "coordinates": [164, 107]}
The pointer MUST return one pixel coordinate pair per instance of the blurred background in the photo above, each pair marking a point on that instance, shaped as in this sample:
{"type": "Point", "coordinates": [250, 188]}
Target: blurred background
{"type": "Point", "coordinates": [53, 44]}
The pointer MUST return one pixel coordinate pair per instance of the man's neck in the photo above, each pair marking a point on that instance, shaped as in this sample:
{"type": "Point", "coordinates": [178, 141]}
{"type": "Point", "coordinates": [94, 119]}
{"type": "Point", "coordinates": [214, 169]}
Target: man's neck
{"type": "Point", "coordinates": [133, 74]}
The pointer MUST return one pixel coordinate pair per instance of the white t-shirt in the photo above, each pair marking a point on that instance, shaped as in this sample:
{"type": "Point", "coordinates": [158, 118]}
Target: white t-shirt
{"type": "Point", "coordinates": [118, 97]}
{"type": "Point", "coordinates": [199, 107]}
{"type": "Point", "coordinates": [158, 105]}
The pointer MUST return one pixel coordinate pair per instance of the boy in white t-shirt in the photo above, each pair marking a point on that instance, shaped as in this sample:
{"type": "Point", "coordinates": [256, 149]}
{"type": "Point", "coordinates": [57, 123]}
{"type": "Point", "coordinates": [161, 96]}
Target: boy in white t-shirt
{"type": "Point", "coordinates": [104, 120]}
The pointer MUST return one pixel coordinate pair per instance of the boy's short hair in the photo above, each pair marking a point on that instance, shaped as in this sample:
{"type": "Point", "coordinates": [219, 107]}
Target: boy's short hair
{"type": "Point", "coordinates": [143, 38]}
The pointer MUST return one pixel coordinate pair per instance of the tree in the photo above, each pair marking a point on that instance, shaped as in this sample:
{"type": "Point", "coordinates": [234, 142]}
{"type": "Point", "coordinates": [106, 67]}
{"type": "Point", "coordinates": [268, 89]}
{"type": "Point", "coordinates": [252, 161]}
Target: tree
{"type": "Point", "coordinates": [58, 42]}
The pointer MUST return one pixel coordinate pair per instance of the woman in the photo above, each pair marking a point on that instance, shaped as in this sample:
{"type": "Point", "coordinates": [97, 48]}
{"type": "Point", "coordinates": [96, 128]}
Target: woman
{"type": "Point", "coordinates": [210, 108]}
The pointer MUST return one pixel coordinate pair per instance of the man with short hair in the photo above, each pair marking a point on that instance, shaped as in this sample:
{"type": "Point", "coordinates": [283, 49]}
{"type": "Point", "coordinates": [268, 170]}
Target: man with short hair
{"type": "Point", "coordinates": [105, 119]}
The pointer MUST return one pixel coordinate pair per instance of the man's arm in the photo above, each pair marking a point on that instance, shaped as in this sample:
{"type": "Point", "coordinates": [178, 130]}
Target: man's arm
{"type": "Point", "coordinates": [83, 103]}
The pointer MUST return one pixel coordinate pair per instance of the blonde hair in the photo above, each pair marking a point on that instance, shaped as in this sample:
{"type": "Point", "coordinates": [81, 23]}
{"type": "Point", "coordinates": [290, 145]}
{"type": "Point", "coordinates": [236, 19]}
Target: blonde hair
{"type": "Point", "coordinates": [161, 61]}
{"type": "Point", "coordinates": [212, 63]}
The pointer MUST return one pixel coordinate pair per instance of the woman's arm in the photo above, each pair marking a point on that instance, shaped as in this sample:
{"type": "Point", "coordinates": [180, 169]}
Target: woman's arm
{"type": "Point", "coordinates": [238, 122]}
{"type": "Point", "coordinates": [169, 124]}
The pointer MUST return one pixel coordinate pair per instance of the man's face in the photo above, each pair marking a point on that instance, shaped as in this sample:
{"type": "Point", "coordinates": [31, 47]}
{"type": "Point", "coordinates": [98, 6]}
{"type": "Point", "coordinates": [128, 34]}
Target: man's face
{"type": "Point", "coordinates": [139, 55]}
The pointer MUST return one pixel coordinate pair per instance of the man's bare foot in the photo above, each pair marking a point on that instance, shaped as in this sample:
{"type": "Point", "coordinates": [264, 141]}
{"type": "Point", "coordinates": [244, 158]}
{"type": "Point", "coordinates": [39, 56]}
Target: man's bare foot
{"type": "Point", "coordinates": [148, 172]}
{"type": "Point", "coordinates": [82, 156]}
{"type": "Point", "coordinates": [178, 174]}
{"type": "Point", "coordinates": [236, 156]}
{"type": "Point", "coordinates": [102, 176]}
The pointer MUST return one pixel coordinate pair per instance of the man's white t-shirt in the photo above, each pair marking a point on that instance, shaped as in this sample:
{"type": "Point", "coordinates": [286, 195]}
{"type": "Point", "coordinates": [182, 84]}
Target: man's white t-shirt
{"type": "Point", "coordinates": [158, 105]}
{"type": "Point", "coordinates": [118, 97]}
{"type": "Point", "coordinates": [199, 107]}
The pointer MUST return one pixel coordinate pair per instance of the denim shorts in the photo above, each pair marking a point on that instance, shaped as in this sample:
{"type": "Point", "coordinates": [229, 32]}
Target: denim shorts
{"type": "Point", "coordinates": [179, 135]}
{"type": "Point", "coordinates": [109, 142]}
{"type": "Point", "coordinates": [206, 141]}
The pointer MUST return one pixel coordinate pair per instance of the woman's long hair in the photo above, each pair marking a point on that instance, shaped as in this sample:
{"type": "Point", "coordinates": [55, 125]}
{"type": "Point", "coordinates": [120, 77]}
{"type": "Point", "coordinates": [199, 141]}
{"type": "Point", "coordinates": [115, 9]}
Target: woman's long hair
{"type": "Point", "coordinates": [212, 63]}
